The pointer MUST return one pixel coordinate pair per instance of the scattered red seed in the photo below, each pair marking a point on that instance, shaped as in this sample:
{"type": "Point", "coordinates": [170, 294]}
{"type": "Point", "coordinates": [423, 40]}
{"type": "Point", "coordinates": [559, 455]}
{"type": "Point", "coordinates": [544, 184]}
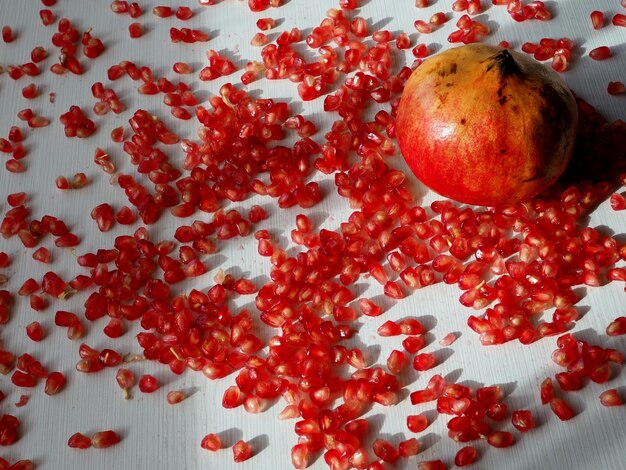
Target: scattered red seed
{"type": "Point", "coordinates": [103, 439]}
{"type": "Point", "coordinates": [211, 442]}
{"type": "Point", "coordinates": [611, 398]}
{"type": "Point", "coordinates": [241, 451]}
{"type": "Point", "coordinates": [79, 441]}
{"type": "Point", "coordinates": [616, 88]}
{"type": "Point", "coordinates": [148, 383]}
{"type": "Point", "coordinates": [176, 396]}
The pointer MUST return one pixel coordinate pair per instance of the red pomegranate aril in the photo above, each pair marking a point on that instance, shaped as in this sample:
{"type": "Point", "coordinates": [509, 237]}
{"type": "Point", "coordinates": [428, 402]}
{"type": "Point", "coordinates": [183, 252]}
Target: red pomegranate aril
{"type": "Point", "coordinates": [616, 88]}
{"type": "Point", "coordinates": [611, 398]}
{"type": "Point", "coordinates": [211, 442]}
{"type": "Point", "coordinates": [47, 17]}
{"type": "Point", "coordinates": [148, 383]}
{"type": "Point", "coordinates": [617, 327]}
{"type": "Point", "coordinates": [104, 439]}
{"type": "Point", "coordinates": [184, 13]}
{"type": "Point", "coordinates": [22, 379]}
{"type": "Point", "coordinates": [561, 409]}
{"type": "Point", "coordinates": [241, 451]}
{"type": "Point", "coordinates": [465, 456]}
{"type": "Point", "coordinates": [500, 439]}
{"type": "Point", "coordinates": [125, 379]}
{"type": "Point", "coordinates": [300, 455]}
{"type": "Point", "coordinates": [600, 53]}
{"type": "Point", "coordinates": [162, 11]}
{"type": "Point", "coordinates": [79, 441]}
{"type": "Point", "coordinates": [7, 34]}
{"type": "Point", "coordinates": [618, 202]}
{"type": "Point", "coordinates": [424, 361]}
{"type": "Point", "coordinates": [416, 423]}
{"type": "Point", "coordinates": [135, 30]}
{"type": "Point", "coordinates": [54, 383]}
{"type": "Point", "coordinates": [597, 19]}
{"type": "Point", "coordinates": [176, 396]}
{"type": "Point", "coordinates": [522, 420]}
{"type": "Point", "coordinates": [35, 331]}
{"type": "Point", "coordinates": [30, 91]}
{"type": "Point", "coordinates": [619, 19]}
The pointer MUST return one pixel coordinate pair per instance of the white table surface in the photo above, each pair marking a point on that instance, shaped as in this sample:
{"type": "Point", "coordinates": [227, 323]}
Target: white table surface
{"type": "Point", "coordinates": [156, 435]}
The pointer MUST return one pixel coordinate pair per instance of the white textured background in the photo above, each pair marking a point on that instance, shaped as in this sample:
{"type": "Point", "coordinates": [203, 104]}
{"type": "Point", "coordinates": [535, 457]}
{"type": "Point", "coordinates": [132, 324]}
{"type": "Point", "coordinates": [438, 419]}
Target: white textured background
{"type": "Point", "coordinates": [158, 436]}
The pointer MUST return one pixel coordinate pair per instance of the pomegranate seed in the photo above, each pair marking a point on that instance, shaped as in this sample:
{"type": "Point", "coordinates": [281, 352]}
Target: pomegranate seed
{"type": "Point", "coordinates": [424, 361]}
{"type": "Point", "coordinates": [162, 11]}
{"type": "Point", "coordinates": [241, 451]}
{"type": "Point", "coordinates": [184, 13]}
{"type": "Point", "coordinates": [389, 328]}
{"type": "Point", "coordinates": [500, 439]}
{"type": "Point", "coordinates": [79, 441]}
{"type": "Point", "coordinates": [300, 455]}
{"type": "Point", "coordinates": [35, 331]}
{"type": "Point", "coordinates": [600, 53]}
{"type": "Point", "coordinates": [416, 423]}
{"type": "Point", "coordinates": [618, 20]}
{"type": "Point", "coordinates": [385, 451]}
{"type": "Point", "coordinates": [135, 30]}
{"type": "Point", "coordinates": [119, 6]}
{"type": "Point", "coordinates": [561, 409]}
{"type": "Point", "coordinates": [465, 456]}
{"type": "Point", "coordinates": [148, 383]}
{"type": "Point", "coordinates": [616, 88]}
{"type": "Point", "coordinates": [125, 380]}
{"type": "Point", "coordinates": [265, 24]}
{"type": "Point", "coordinates": [618, 202]}
{"type": "Point", "coordinates": [176, 396]}
{"type": "Point", "coordinates": [611, 398]}
{"type": "Point", "coordinates": [597, 19]}
{"type": "Point", "coordinates": [617, 327]}
{"type": "Point", "coordinates": [54, 383]}
{"type": "Point", "coordinates": [522, 420]}
{"type": "Point", "coordinates": [103, 439]}
{"type": "Point", "coordinates": [47, 17]}
{"type": "Point", "coordinates": [29, 92]}
{"type": "Point", "coordinates": [211, 442]}
{"type": "Point", "coordinates": [7, 34]}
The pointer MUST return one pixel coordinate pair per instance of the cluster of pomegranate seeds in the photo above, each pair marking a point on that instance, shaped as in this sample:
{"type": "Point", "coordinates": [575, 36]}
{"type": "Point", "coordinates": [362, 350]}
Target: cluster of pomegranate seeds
{"type": "Point", "coordinates": [295, 342]}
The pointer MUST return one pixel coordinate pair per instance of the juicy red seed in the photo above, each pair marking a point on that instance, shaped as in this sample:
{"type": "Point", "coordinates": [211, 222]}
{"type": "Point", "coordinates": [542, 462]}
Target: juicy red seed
{"type": "Point", "coordinates": [416, 423]}
{"type": "Point", "coordinates": [616, 88]}
{"type": "Point", "coordinates": [617, 327]}
{"type": "Point", "coordinates": [35, 331]}
{"type": "Point", "coordinates": [597, 19]}
{"type": "Point", "coordinates": [424, 361]}
{"type": "Point", "coordinates": [500, 439]}
{"type": "Point", "coordinates": [7, 34]}
{"type": "Point", "coordinates": [103, 439]}
{"type": "Point", "coordinates": [184, 13]}
{"type": "Point", "coordinates": [611, 398]}
{"type": "Point", "coordinates": [79, 441]}
{"type": "Point", "coordinates": [176, 396]}
{"type": "Point", "coordinates": [135, 30]}
{"type": "Point", "coordinates": [211, 442]}
{"type": "Point", "coordinates": [600, 53]}
{"type": "Point", "coordinates": [54, 383]}
{"type": "Point", "coordinates": [465, 456]}
{"type": "Point", "coordinates": [265, 24]}
{"type": "Point", "coordinates": [618, 202]}
{"type": "Point", "coordinates": [125, 379]}
{"type": "Point", "coordinates": [522, 420]}
{"type": "Point", "coordinates": [241, 451]}
{"type": "Point", "coordinates": [561, 409]}
{"type": "Point", "coordinates": [162, 11]}
{"type": "Point", "coordinates": [619, 19]}
{"type": "Point", "coordinates": [389, 328]}
{"type": "Point", "coordinates": [148, 383]}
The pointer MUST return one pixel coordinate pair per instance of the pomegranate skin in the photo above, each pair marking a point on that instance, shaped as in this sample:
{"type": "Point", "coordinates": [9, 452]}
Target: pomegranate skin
{"type": "Point", "coordinates": [486, 126]}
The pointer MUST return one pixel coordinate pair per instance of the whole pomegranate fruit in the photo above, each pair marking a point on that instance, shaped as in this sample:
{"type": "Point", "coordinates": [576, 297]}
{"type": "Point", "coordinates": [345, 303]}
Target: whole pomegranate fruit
{"type": "Point", "coordinates": [486, 126]}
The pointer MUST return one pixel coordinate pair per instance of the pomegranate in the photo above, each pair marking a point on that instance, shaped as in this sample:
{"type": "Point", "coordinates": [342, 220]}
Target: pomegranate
{"type": "Point", "coordinates": [485, 125]}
